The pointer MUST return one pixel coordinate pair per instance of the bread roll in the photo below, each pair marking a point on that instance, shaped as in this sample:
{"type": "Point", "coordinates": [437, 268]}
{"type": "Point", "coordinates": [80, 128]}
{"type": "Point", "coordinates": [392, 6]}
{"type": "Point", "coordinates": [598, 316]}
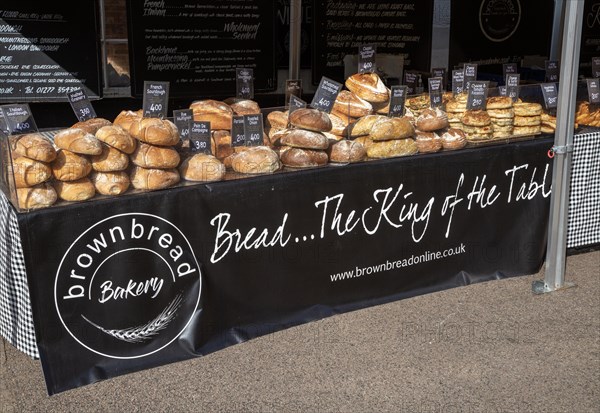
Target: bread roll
{"type": "Point", "coordinates": [78, 141]}
{"type": "Point", "coordinates": [392, 148]}
{"type": "Point", "coordinates": [109, 160]}
{"type": "Point", "coordinates": [368, 86]}
{"type": "Point", "coordinates": [202, 168]}
{"type": "Point", "coordinates": [117, 137]}
{"type": "Point", "coordinates": [453, 139]}
{"type": "Point", "coordinates": [347, 152]}
{"type": "Point", "coordinates": [255, 160]}
{"type": "Point", "coordinates": [151, 156]}
{"type": "Point", "coordinates": [219, 114]}
{"type": "Point", "coordinates": [303, 158]}
{"type": "Point", "coordinates": [155, 131]}
{"type": "Point", "coordinates": [110, 183]}
{"type": "Point", "coordinates": [126, 118]}
{"type": "Point", "coordinates": [300, 138]}
{"type": "Point", "coordinates": [153, 179]}
{"type": "Point", "coordinates": [364, 125]}
{"type": "Point", "coordinates": [428, 142]}
{"type": "Point", "coordinates": [91, 126]}
{"type": "Point", "coordinates": [69, 166]}
{"type": "Point", "coordinates": [310, 119]}
{"type": "Point", "coordinates": [78, 190]}
{"type": "Point", "coordinates": [29, 172]}
{"type": "Point", "coordinates": [391, 128]}
{"type": "Point", "coordinates": [277, 119]}
{"type": "Point", "coordinates": [34, 146]}
{"type": "Point", "coordinates": [432, 119]}
{"type": "Point", "coordinates": [39, 196]}
{"type": "Point", "coordinates": [242, 107]}
{"type": "Point", "coordinates": [351, 105]}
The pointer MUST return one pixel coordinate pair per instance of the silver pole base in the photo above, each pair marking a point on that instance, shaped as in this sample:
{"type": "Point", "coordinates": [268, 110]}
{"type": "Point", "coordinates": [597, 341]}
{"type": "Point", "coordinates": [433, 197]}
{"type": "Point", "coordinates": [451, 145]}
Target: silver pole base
{"type": "Point", "coordinates": [540, 287]}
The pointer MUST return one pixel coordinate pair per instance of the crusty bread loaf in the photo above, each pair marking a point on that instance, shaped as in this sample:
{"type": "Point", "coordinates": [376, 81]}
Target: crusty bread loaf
{"type": "Point", "coordinates": [351, 105]}
{"type": "Point", "coordinates": [255, 160]}
{"type": "Point", "coordinates": [39, 196]}
{"type": "Point", "coordinates": [310, 119]}
{"type": "Point", "coordinates": [277, 136]}
{"type": "Point", "coordinates": [277, 119]}
{"type": "Point", "coordinates": [155, 131]}
{"type": "Point", "coordinates": [453, 139]}
{"type": "Point", "coordinates": [110, 160]}
{"type": "Point", "coordinates": [428, 142]}
{"type": "Point", "coordinates": [386, 128]}
{"type": "Point", "coordinates": [126, 118]}
{"type": "Point", "coordinates": [303, 158]}
{"type": "Point", "coordinates": [219, 114]}
{"type": "Point", "coordinates": [339, 126]}
{"type": "Point", "coordinates": [346, 151]}
{"type": "Point", "coordinates": [151, 179]}
{"type": "Point", "coordinates": [222, 144]}
{"type": "Point", "coordinates": [368, 86]}
{"type": "Point", "coordinates": [301, 138]}
{"type": "Point", "coordinates": [392, 148]}
{"type": "Point", "coordinates": [432, 119]}
{"type": "Point", "coordinates": [29, 172]}
{"type": "Point", "coordinates": [243, 106]}
{"type": "Point", "coordinates": [69, 166]}
{"type": "Point", "coordinates": [110, 183]}
{"type": "Point", "coordinates": [363, 126]}
{"type": "Point", "coordinates": [117, 137]}
{"type": "Point", "coordinates": [78, 190]}
{"type": "Point", "coordinates": [152, 156]}
{"type": "Point", "coordinates": [92, 125]}
{"type": "Point", "coordinates": [34, 146]}
{"type": "Point", "coordinates": [78, 141]}
{"type": "Point", "coordinates": [202, 168]}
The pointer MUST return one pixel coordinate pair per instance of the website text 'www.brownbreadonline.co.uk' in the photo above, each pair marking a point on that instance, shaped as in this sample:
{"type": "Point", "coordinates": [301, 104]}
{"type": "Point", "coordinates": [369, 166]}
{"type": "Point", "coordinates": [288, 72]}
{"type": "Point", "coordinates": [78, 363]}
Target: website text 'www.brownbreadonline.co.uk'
{"type": "Point", "coordinates": [401, 263]}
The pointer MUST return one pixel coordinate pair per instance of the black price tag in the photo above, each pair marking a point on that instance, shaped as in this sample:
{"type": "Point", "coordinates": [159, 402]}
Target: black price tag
{"type": "Point", "coordinates": [502, 90]}
{"type": "Point", "coordinates": [19, 119]}
{"type": "Point", "coordinates": [326, 94]}
{"type": "Point", "coordinates": [596, 67]}
{"type": "Point", "coordinates": [183, 120]}
{"type": "Point", "coordinates": [244, 82]}
{"type": "Point", "coordinates": [366, 58]}
{"type": "Point", "coordinates": [512, 86]}
{"type": "Point", "coordinates": [237, 131]}
{"type": "Point", "coordinates": [477, 97]}
{"type": "Point", "coordinates": [550, 95]}
{"type": "Point", "coordinates": [458, 81]}
{"type": "Point", "coordinates": [552, 71]}
{"type": "Point", "coordinates": [295, 103]}
{"type": "Point", "coordinates": [397, 99]}
{"type": "Point", "coordinates": [253, 130]}
{"type": "Point", "coordinates": [593, 91]}
{"type": "Point", "coordinates": [435, 92]}
{"type": "Point", "coordinates": [508, 69]}
{"type": "Point", "coordinates": [293, 88]}
{"type": "Point", "coordinates": [411, 80]}
{"type": "Point", "coordinates": [156, 99]}
{"type": "Point", "coordinates": [440, 72]}
{"type": "Point", "coordinates": [200, 137]}
{"type": "Point", "coordinates": [470, 74]}
{"type": "Point", "coordinates": [81, 105]}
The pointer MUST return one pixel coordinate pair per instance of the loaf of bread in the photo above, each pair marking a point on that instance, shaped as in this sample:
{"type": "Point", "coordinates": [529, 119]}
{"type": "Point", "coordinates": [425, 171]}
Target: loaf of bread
{"type": "Point", "coordinates": [155, 131]}
{"type": "Point", "coordinates": [29, 172]}
{"type": "Point", "coordinates": [219, 114]}
{"type": "Point", "coordinates": [277, 119]}
{"type": "Point", "coordinates": [303, 158]}
{"type": "Point", "coordinates": [91, 126]}
{"type": "Point", "coordinates": [152, 156]}
{"type": "Point", "coordinates": [126, 118]}
{"type": "Point", "coordinates": [386, 128]}
{"type": "Point", "coordinates": [153, 179]}
{"type": "Point", "coordinates": [364, 125]}
{"type": "Point", "coordinates": [432, 119]}
{"type": "Point", "coordinates": [301, 138]}
{"type": "Point", "coordinates": [392, 148]}
{"type": "Point", "coordinates": [351, 105]}
{"type": "Point", "coordinates": [428, 142]}
{"type": "Point", "coordinates": [78, 141]}
{"type": "Point", "coordinates": [110, 160]}
{"type": "Point", "coordinates": [39, 196]}
{"type": "Point", "coordinates": [346, 151]}
{"type": "Point", "coordinates": [69, 166]}
{"type": "Point", "coordinates": [242, 107]}
{"type": "Point", "coordinates": [310, 119]}
{"type": "Point", "coordinates": [255, 160]}
{"type": "Point", "coordinates": [34, 146]}
{"type": "Point", "coordinates": [368, 86]}
{"type": "Point", "coordinates": [117, 137]}
{"type": "Point", "coordinates": [453, 139]}
{"type": "Point", "coordinates": [339, 126]}
{"type": "Point", "coordinates": [202, 168]}
{"type": "Point", "coordinates": [110, 183]}
{"type": "Point", "coordinates": [78, 190]}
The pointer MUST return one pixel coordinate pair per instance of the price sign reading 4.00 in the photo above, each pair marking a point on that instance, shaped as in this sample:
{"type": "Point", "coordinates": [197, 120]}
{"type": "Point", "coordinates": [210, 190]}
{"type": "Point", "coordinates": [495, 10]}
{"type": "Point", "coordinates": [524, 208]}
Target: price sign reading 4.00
{"type": "Point", "coordinates": [156, 99]}
{"type": "Point", "coordinates": [326, 94]}
{"type": "Point", "coordinates": [244, 80]}
{"type": "Point", "coordinates": [253, 130]}
{"type": "Point", "coordinates": [397, 99]}
{"type": "Point", "coordinates": [81, 105]}
{"type": "Point", "coordinates": [183, 120]}
{"type": "Point", "coordinates": [19, 119]}
{"type": "Point", "coordinates": [366, 58]}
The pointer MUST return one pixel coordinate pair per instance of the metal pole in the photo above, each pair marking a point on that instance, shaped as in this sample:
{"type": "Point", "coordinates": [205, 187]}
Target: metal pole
{"type": "Point", "coordinates": [563, 147]}
{"type": "Point", "coordinates": [295, 27]}
{"type": "Point", "coordinates": [103, 43]}
{"type": "Point", "coordinates": [557, 26]}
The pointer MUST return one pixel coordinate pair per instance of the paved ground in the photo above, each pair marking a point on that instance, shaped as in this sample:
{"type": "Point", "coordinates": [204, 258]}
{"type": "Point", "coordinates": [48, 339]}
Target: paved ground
{"type": "Point", "coordinates": [490, 347]}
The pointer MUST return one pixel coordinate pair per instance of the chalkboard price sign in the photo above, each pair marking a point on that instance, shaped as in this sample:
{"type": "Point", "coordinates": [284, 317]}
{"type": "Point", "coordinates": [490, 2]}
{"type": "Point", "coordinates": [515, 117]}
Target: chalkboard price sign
{"type": "Point", "coordinates": [552, 71]}
{"type": "Point", "coordinates": [295, 103]}
{"type": "Point", "coordinates": [397, 99]}
{"type": "Point", "coordinates": [477, 97]}
{"type": "Point", "coordinates": [244, 81]}
{"type": "Point", "coordinates": [293, 87]}
{"type": "Point", "coordinates": [593, 91]}
{"type": "Point", "coordinates": [411, 80]}
{"type": "Point", "coordinates": [19, 119]}
{"type": "Point", "coordinates": [81, 105]}
{"type": "Point", "coordinates": [458, 81]}
{"type": "Point", "coordinates": [440, 72]}
{"type": "Point", "coordinates": [326, 94]}
{"type": "Point", "coordinates": [512, 86]}
{"type": "Point", "coordinates": [200, 138]}
{"type": "Point", "coordinates": [253, 130]}
{"type": "Point", "coordinates": [550, 94]}
{"type": "Point", "coordinates": [237, 131]}
{"type": "Point", "coordinates": [596, 67]}
{"type": "Point", "coordinates": [509, 69]}
{"type": "Point", "coordinates": [470, 74]}
{"type": "Point", "coordinates": [366, 58]}
{"type": "Point", "coordinates": [183, 120]}
{"type": "Point", "coordinates": [435, 92]}
{"type": "Point", "coordinates": [156, 99]}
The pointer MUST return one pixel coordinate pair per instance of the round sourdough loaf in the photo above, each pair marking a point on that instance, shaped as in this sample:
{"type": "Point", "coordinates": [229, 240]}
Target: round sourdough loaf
{"type": "Point", "coordinates": [386, 128]}
{"type": "Point", "coordinates": [368, 86]}
{"type": "Point", "coordinates": [78, 190]}
{"type": "Point", "coordinates": [431, 120]}
{"type": "Point", "coordinates": [110, 183]}
{"type": "Point", "coordinates": [453, 139]}
{"type": "Point", "coordinates": [117, 137]}
{"type": "Point", "coordinates": [392, 148]}
{"type": "Point", "coordinates": [69, 166]}
{"type": "Point", "coordinates": [110, 160]}
{"type": "Point", "coordinates": [126, 118]}
{"type": "Point", "coordinates": [310, 119]}
{"type": "Point", "coordinates": [92, 125]}
{"type": "Point", "coordinates": [155, 131]}
{"type": "Point", "coordinates": [301, 138]}
{"type": "Point", "coordinates": [428, 142]}
{"type": "Point", "coordinates": [78, 141]}
{"type": "Point", "coordinates": [347, 151]}
{"type": "Point", "coordinates": [151, 179]}
{"type": "Point", "coordinates": [34, 146]}
{"type": "Point", "coordinates": [29, 172]}
{"type": "Point", "coordinates": [219, 114]}
{"type": "Point", "coordinates": [152, 156]}
{"type": "Point", "coordinates": [39, 196]}
{"type": "Point", "coordinates": [303, 158]}
{"type": "Point", "coordinates": [255, 160]}
{"type": "Point", "coordinates": [349, 104]}
{"type": "Point", "coordinates": [202, 168]}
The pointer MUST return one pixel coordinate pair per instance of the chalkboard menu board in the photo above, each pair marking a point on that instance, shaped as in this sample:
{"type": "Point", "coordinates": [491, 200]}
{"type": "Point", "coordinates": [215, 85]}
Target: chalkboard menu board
{"type": "Point", "coordinates": [196, 45]}
{"type": "Point", "coordinates": [48, 49]}
{"type": "Point", "coordinates": [400, 27]}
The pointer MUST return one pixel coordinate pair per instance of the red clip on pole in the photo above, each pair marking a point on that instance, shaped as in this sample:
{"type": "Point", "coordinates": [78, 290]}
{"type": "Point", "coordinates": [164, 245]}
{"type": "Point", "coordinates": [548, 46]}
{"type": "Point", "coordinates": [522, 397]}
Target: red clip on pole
{"type": "Point", "coordinates": [551, 153]}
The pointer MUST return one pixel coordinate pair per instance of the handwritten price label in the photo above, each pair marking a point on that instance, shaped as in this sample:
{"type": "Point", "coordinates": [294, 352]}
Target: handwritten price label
{"type": "Point", "coordinates": [200, 137]}
{"type": "Point", "coordinates": [183, 120]}
{"type": "Point", "coordinates": [81, 105]}
{"type": "Point", "coordinates": [253, 130]}
{"type": "Point", "coordinates": [397, 99]}
{"type": "Point", "coordinates": [19, 119]}
{"type": "Point", "coordinates": [477, 97]}
{"type": "Point", "coordinates": [156, 98]}
{"type": "Point", "coordinates": [550, 95]}
{"type": "Point", "coordinates": [366, 58]}
{"type": "Point", "coordinates": [326, 94]}
{"type": "Point", "coordinates": [593, 91]}
{"type": "Point", "coordinates": [244, 83]}
{"type": "Point", "coordinates": [237, 131]}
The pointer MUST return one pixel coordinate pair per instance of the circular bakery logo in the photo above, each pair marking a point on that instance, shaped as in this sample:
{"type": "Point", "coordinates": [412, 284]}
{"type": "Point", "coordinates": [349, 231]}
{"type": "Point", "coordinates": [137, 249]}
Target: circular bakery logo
{"type": "Point", "coordinates": [499, 19]}
{"type": "Point", "coordinates": [128, 286]}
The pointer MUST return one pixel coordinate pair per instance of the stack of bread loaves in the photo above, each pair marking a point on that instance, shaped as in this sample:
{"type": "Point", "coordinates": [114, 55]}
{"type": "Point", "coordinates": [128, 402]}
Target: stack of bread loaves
{"type": "Point", "coordinates": [456, 108]}
{"type": "Point", "coordinates": [528, 119]}
{"type": "Point", "coordinates": [32, 154]}
{"type": "Point", "coordinates": [477, 125]}
{"type": "Point", "coordinates": [305, 145]}
{"type": "Point", "coordinates": [429, 123]}
{"type": "Point", "coordinates": [385, 137]}
{"type": "Point", "coordinates": [500, 109]}
{"type": "Point", "coordinates": [220, 115]}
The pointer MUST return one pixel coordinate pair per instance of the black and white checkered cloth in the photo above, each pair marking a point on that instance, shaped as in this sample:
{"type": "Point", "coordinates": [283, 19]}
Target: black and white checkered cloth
{"type": "Point", "coordinates": [16, 319]}
{"type": "Point", "coordinates": [584, 202]}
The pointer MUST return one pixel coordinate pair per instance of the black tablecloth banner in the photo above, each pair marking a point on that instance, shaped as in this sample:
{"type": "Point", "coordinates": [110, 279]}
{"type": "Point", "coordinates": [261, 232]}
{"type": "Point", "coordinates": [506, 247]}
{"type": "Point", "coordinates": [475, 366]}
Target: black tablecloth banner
{"type": "Point", "coordinates": [120, 285]}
